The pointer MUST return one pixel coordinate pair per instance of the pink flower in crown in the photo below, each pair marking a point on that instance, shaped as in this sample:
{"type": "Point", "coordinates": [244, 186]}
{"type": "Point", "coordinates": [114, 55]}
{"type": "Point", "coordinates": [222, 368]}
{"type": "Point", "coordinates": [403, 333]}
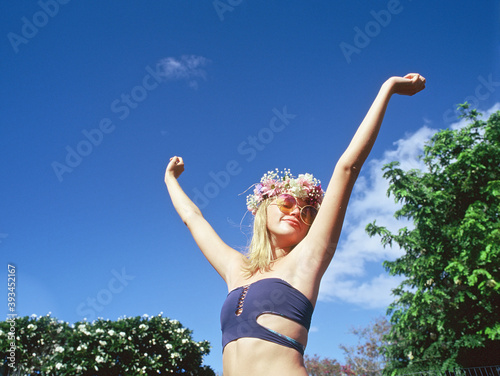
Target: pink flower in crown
{"type": "Point", "coordinates": [272, 184]}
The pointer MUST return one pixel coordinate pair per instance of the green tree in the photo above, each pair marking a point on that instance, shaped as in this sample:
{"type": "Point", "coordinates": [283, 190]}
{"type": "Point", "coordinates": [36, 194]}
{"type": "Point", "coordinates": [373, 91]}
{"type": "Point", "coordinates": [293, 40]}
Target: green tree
{"type": "Point", "coordinates": [446, 310]}
{"type": "Point", "coordinates": [366, 358]}
{"type": "Point", "coordinates": [129, 346]}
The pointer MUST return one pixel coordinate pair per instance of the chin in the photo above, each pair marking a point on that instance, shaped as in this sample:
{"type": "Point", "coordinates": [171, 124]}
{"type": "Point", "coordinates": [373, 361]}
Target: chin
{"type": "Point", "coordinates": [296, 237]}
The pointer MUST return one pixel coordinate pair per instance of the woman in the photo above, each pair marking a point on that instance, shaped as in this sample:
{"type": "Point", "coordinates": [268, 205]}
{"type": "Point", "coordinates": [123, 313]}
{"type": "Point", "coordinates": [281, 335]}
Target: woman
{"type": "Point", "coordinates": [273, 290]}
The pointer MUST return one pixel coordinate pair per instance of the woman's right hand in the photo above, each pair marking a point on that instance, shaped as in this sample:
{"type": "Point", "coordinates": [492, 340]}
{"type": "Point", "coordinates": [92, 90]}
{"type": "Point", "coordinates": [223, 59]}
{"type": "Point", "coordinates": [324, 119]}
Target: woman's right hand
{"type": "Point", "coordinates": [410, 84]}
{"type": "Point", "coordinates": [174, 168]}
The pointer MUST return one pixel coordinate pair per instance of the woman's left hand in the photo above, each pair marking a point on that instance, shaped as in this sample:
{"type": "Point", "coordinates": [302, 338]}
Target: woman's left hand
{"type": "Point", "coordinates": [410, 84]}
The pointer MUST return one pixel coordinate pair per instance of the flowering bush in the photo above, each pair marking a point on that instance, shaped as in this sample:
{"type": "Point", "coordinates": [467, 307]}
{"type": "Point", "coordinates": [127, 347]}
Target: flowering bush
{"type": "Point", "coordinates": [129, 346]}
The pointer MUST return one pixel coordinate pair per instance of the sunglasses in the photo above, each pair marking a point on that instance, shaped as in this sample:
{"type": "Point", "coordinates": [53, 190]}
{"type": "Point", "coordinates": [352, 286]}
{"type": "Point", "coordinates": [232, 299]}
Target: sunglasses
{"type": "Point", "coordinates": [287, 204]}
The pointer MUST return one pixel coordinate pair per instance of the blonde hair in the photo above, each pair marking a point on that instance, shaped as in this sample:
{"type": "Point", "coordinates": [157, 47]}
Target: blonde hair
{"type": "Point", "coordinates": [259, 254]}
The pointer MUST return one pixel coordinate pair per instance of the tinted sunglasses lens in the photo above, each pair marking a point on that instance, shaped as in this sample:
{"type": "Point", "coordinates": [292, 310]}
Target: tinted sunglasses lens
{"type": "Point", "coordinates": [286, 203]}
{"type": "Point", "coordinates": [308, 213]}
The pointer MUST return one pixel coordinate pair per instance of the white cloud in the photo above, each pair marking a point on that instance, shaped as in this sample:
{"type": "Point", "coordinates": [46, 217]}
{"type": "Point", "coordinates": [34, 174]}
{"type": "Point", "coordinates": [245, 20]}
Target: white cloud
{"type": "Point", "coordinates": [187, 67]}
{"type": "Point", "coordinates": [313, 329]}
{"type": "Point", "coordinates": [486, 114]}
{"type": "Point", "coordinates": [348, 279]}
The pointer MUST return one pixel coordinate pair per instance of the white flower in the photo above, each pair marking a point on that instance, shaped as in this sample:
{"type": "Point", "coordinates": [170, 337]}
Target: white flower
{"type": "Point", "coordinates": [59, 365]}
{"type": "Point", "coordinates": [102, 343]}
{"type": "Point", "coordinates": [410, 356]}
{"type": "Point", "coordinates": [99, 359]}
{"type": "Point", "coordinates": [168, 346]}
{"type": "Point", "coordinates": [184, 340]}
{"type": "Point", "coordinates": [122, 334]}
{"type": "Point", "coordinates": [111, 332]}
{"type": "Point", "coordinates": [82, 328]}
{"type": "Point", "coordinates": [59, 349]}
{"type": "Point", "coordinates": [99, 331]}
{"type": "Point", "coordinates": [31, 326]}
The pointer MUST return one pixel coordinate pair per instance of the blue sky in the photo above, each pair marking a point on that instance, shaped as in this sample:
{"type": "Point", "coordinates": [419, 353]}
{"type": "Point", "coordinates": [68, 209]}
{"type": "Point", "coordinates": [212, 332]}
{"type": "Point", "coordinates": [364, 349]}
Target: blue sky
{"type": "Point", "coordinates": [95, 99]}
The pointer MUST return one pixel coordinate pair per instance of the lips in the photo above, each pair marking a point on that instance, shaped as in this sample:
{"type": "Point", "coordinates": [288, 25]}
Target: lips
{"type": "Point", "coordinates": [293, 222]}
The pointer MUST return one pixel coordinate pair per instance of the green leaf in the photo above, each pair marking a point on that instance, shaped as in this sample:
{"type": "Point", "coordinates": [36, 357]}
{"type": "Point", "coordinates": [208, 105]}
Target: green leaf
{"type": "Point", "coordinates": [451, 255]}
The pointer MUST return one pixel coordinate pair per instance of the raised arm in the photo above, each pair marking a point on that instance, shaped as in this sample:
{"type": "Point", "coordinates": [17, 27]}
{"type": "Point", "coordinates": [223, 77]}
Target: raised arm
{"type": "Point", "coordinates": [219, 254]}
{"type": "Point", "coordinates": [319, 246]}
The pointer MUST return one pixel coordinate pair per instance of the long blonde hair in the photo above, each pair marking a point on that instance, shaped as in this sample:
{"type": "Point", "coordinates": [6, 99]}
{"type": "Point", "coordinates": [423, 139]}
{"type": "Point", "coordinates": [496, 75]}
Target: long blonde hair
{"type": "Point", "coordinates": [260, 253]}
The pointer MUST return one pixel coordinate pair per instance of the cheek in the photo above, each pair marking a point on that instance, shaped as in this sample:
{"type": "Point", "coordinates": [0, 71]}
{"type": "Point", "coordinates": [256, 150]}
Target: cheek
{"type": "Point", "coordinates": [273, 216]}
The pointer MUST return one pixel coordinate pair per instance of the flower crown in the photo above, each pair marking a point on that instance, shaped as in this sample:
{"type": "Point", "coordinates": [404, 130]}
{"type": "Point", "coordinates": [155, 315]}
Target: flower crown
{"type": "Point", "coordinates": [305, 187]}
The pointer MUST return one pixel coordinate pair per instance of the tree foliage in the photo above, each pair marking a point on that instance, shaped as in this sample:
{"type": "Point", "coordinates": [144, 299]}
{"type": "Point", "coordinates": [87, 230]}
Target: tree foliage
{"type": "Point", "coordinates": [129, 346]}
{"type": "Point", "coordinates": [366, 358]}
{"type": "Point", "coordinates": [317, 366]}
{"type": "Point", "coordinates": [449, 302]}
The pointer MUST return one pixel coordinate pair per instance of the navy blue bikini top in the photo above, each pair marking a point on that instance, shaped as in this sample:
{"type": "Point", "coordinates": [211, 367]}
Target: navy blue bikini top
{"type": "Point", "coordinates": [245, 304]}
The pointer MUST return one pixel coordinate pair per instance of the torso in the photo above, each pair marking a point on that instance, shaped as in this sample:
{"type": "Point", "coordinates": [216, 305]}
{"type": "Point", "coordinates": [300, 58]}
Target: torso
{"type": "Point", "coordinates": [253, 356]}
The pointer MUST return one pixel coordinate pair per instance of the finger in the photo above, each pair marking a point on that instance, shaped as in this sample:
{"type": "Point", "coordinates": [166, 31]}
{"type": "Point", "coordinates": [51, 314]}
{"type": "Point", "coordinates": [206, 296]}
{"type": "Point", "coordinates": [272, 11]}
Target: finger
{"type": "Point", "coordinates": [173, 161]}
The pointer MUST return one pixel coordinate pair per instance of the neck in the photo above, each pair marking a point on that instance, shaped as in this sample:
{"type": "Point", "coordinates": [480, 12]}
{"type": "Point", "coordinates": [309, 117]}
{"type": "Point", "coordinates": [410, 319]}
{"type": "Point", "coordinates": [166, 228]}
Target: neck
{"type": "Point", "coordinates": [279, 250]}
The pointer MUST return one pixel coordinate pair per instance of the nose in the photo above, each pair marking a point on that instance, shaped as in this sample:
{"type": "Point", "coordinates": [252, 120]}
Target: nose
{"type": "Point", "coordinates": [295, 212]}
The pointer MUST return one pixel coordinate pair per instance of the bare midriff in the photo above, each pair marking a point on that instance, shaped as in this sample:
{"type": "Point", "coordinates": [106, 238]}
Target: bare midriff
{"type": "Point", "coordinates": [252, 356]}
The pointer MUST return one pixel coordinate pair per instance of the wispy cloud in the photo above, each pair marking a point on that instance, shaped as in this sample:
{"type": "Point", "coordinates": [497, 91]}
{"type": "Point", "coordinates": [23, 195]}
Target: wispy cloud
{"type": "Point", "coordinates": [313, 329]}
{"type": "Point", "coordinates": [486, 114]}
{"type": "Point", "coordinates": [349, 278]}
{"type": "Point", "coordinates": [187, 67]}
